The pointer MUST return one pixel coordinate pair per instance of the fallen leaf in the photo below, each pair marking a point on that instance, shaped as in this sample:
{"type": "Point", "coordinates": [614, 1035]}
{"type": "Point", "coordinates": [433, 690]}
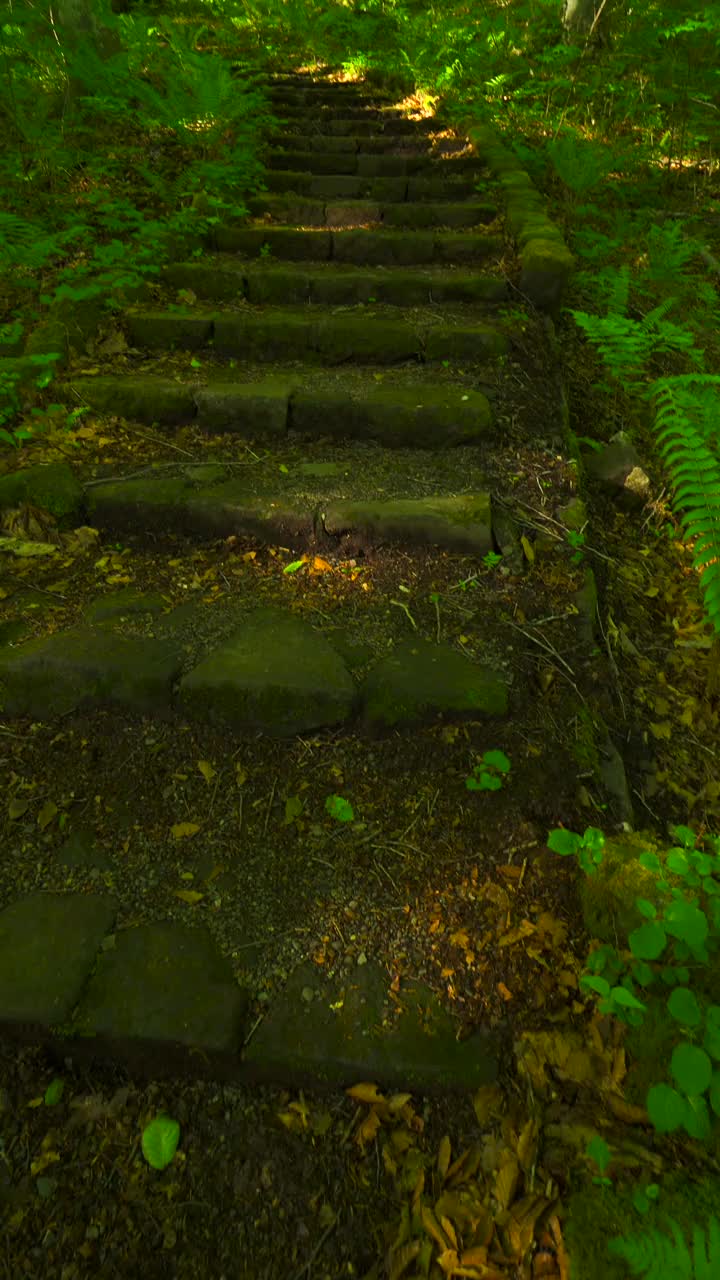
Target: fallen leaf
{"type": "Point", "coordinates": [181, 830]}
{"type": "Point", "coordinates": [17, 547]}
{"type": "Point", "coordinates": [46, 814]}
{"type": "Point", "coordinates": [206, 770]}
{"type": "Point", "coordinates": [189, 895]}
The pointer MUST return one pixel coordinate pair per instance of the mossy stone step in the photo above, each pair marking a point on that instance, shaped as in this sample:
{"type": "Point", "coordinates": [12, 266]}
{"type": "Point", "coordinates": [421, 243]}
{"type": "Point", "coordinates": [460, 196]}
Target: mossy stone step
{"type": "Point", "coordinates": [304, 212]}
{"type": "Point", "coordinates": [227, 280]}
{"type": "Point", "coordinates": [424, 144]}
{"type": "Point", "coordinates": [160, 504]}
{"type": "Point", "coordinates": [275, 674]}
{"type": "Point", "coordinates": [351, 187]}
{"type": "Point", "coordinates": [396, 416]}
{"type": "Point", "coordinates": [161, 1000]}
{"type": "Point", "coordinates": [377, 166]}
{"type": "Point", "coordinates": [361, 247]}
{"type": "Point", "coordinates": [287, 333]}
{"type": "Point", "coordinates": [53, 675]}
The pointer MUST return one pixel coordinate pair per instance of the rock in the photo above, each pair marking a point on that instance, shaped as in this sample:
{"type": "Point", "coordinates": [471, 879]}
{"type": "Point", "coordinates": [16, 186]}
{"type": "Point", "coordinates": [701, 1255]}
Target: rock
{"type": "Point", "coordinates": [277, 674]}
{"type": "Point", "coordinates": [617, 467]}
{"type": "Point", "coordinates": [52, 487]}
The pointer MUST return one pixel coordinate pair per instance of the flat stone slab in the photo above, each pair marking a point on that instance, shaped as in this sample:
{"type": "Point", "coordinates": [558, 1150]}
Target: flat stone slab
{"type": "Point", "coordinates": [52, 486]}
{"type": "Point", "coordinates": [419, 680]}
{"type": "Point", "coordinates": [461, 523]}
{"type": "Point", "coordinates": [48, 945]}
{"type": "Point", "coordinates": [412, 416]}
{"type": "Point", "coordinates": [166, 983]}
{"type": "Point", "coordinates": [323, 1031]}
{"type": "Point", "coordinates": [56, 674]}
{"type": "Point", "coordinates": [128, 602]}
{"type": "Point", "coordinates": [277, 674]}
{"type": "Point", "coordinates": [161, 1000]}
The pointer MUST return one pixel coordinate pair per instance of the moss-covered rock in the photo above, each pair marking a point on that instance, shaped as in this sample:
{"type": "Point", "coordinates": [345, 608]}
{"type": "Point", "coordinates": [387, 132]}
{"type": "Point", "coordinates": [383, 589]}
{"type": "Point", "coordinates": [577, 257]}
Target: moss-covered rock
{"type": "Point", "coordinates": [52, 486]}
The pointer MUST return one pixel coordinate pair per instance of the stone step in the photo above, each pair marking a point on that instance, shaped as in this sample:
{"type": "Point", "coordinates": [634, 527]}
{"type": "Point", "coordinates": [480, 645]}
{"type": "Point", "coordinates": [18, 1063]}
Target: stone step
{"type": "Point", "coordinates": [427, 144]}
{"type": "Point", "coordinates": [397, 413]}
{"type": "Point", "coordinates": [447, 168]}
{"type": "Point", "coordinates": [357, 187]}
{"type": "Point", "coordinates": [362, 247]}
{"type": "Point", "coordinates": [295, 582]}
{"type": "Point", "coordinates": [273, 674]}
{"type": "Point", "coordinates": [288, 209]}
{"type": "Point", "coordinates": [302, 333]}
{"type": "Point", "coordinates": [300, 113]}
{"type": "Point", "coordinates": [349, 125]}
{"type": "Point", "coordinates": [224, 278]}
{"type": "Point", "coordinates": [161, 1000]}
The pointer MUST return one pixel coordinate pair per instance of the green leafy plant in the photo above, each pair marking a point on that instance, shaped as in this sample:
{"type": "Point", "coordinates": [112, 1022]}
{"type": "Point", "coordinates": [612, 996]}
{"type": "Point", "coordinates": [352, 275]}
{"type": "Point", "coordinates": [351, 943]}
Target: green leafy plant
{"type": "Point", "coordinates": [687, 933]}
{"type": "Point", "coordinates": [488, 774]}
{"type": "Point", "coordinates": [339, 809]}
{"type": "Point", "coordinates": [577, 542]}
{"type": "Point", "coordinates": [655, 1257]}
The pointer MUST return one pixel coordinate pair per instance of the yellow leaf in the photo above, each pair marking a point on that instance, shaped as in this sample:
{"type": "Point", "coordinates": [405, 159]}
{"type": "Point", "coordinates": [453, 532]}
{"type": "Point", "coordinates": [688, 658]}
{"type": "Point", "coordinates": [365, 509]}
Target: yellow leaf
{"type": "Point", "coordinates": [17, 808]}
{"type": "Point", "coordinates": [662, 730]}
{"type": "Point", "coordinates": [444, 1157]}
{"type": "Point", "coordinates": [527, 548]}
{"type": "Point", "coordinates": [652, 591]}
{"type": "Point", "coordinates": [183, 829]}
{"type": "Point", "coordinates": [206, 770]}
{"type": "Point", "coordinates": [189, 895]}
{"type": "Point", "coordinates": [46, 814]}
{"type": "Point", "coordinates": [364, 1093]}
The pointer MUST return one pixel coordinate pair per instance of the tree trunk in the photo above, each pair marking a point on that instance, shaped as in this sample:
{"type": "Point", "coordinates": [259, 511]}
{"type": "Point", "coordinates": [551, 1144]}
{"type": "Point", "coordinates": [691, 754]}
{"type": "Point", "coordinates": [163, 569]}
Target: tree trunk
{"type": "Point", "coordinates": [577, 19]}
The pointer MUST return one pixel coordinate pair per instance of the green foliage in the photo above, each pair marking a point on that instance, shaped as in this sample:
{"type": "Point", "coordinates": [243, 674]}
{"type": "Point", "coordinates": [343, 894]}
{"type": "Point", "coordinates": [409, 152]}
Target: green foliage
{"type": "Point", "coordinates": [579, 164]}
{"type": "Point", "coordinates": [690, 934]}
{"type": "Point", "coordinates": [488, 775]}
{"type": "Point", "coordinates": [687, 414]}
{"type": "Point", "coordinates": [655, 1257]}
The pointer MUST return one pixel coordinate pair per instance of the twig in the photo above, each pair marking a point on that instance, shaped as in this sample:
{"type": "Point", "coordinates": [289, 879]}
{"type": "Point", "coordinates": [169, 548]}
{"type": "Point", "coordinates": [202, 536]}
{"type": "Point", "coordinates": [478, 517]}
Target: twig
{"type": "Point", "coordinates": [158, 440]}
{"type": "Point", "coordinates": [270, 801]}
{"type": "Point", "coordinates": [316, 1250]}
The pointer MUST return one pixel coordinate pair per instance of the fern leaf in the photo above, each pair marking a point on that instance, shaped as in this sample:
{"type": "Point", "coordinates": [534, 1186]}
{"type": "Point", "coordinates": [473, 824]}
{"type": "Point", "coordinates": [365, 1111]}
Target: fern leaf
{"type": "Point", "coordinates": [655, 1257]}
{"type": "Point", "coordinates": [685, 412]}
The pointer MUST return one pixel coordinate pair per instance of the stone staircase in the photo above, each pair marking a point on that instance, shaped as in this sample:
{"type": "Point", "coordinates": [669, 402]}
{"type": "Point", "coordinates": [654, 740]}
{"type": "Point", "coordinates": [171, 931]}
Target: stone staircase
{"type": "Point", "coordinates": [360, 387]}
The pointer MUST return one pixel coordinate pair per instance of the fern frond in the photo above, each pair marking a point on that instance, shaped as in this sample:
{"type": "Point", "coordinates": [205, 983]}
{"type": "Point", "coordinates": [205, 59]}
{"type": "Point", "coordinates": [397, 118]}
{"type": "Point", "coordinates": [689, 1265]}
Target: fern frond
{"type": "Point", "coordinates": [686, 417]}
{"type": "Point", "coordinates": [619, 292]}
{"type": "Point", "coordinates": [655, 1257]}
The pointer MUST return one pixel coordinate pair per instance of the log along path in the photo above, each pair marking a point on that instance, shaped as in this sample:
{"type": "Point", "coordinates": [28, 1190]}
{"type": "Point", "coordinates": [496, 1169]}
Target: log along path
{"type": "Point", "coordinates": [254, 830]}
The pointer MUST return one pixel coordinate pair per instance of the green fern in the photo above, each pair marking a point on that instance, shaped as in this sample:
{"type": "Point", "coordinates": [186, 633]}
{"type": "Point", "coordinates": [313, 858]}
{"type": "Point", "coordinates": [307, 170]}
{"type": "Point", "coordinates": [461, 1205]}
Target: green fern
{"type": "Point", "coordinates": [655, 1257]}
{"type": "Point", "coordinates": [626, 344]}
{"type": "Point", "coordinates": [686, 418]}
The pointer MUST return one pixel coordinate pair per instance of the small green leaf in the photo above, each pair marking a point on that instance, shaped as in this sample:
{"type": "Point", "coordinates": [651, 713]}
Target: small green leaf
{"type": "Point", "coordinates": [684, 1007]}
{"type": "Point", "coordinates": [54, 1092]}
{"type": "Point", "coordinates": [339, 809]}
{"type": "Point", "coordinates": [646, 908]}
{"type": "Point", "coordinates": [665, 1107]}
{"type": "Point", "coordinates": [691, 1069]}
{"type": "Point", "coordinates": [159, 1141]}
{"type": "Point", "coordinates": [625, 998]}
{"type": "Point", "coordinates": [648, 942]}
{"type": "Point", "coordinates": [497, 760]}
{"type": "Point", "coordinates": [563, 842]}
